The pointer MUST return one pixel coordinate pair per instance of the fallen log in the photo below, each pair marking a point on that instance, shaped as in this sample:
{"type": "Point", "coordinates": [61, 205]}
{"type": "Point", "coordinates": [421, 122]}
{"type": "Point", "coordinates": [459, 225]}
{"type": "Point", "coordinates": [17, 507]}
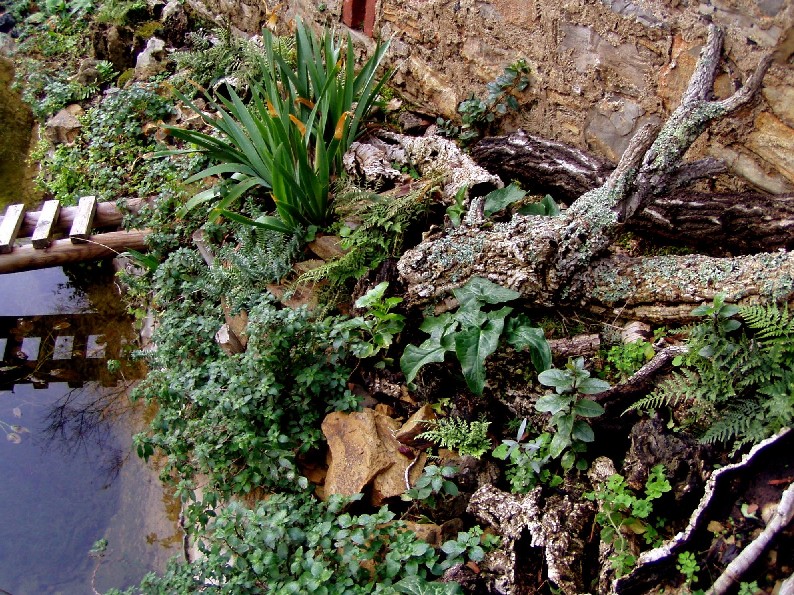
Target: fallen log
{"type": "Point", "coordinates": [106, 245]}
{"type": "Point", "coordinates": [548, 259]}
{"type": "Point", "coordinates": [743, 222]}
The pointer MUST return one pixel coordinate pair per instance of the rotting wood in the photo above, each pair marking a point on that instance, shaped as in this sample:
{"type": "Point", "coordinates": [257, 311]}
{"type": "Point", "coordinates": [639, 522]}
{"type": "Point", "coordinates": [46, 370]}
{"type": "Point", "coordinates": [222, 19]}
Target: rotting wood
{"type": "Point", "coordinates": [84, 220]}
{"type": "Point", "coordinates": [658, 562]}
{"type": "Point", "coordinates": [746, 221]}
{"type": "Point", "coordinates": [731, 576]}
{"type": "Point", "coordinates": [9, 228]}
{"type": "Point", "coordinates": [42, 235]}
{"type": "Point", "coordinates": [107, 245]}
{"type": "Point", "coordinates": [584, 345]}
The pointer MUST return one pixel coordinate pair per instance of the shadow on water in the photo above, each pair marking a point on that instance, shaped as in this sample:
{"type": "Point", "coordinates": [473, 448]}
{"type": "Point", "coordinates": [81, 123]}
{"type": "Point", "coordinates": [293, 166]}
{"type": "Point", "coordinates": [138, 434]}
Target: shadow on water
{"type": "Point", "coordinates": [17, 124]}
{"type": "Point", "coordinates": [69, 475]}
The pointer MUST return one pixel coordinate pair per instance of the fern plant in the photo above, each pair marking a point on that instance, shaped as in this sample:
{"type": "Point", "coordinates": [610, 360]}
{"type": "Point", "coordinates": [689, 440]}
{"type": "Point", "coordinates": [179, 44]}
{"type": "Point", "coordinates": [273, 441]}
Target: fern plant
{"type": "Point", "coordinates": [467, 437]}
{"type": "Point", "coordinates": [740, 383]}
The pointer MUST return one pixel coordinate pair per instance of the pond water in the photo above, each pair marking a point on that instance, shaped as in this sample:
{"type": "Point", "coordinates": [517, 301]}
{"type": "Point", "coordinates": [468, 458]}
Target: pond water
{"type": "Point", "coordinates": [69, 474]}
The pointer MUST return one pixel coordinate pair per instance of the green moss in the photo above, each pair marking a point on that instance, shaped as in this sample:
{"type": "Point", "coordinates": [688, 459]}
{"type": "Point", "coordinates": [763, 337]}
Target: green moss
{"type": "Point", "coordinates": [125, 77]}
{"type": "Point", "coordinates": [149, 29]}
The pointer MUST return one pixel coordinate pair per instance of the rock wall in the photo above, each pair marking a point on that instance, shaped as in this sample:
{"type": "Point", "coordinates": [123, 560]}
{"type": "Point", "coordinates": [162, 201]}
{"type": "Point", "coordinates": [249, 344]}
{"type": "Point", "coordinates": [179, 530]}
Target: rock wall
{"type": "Point", "coordinates": [602, 68]}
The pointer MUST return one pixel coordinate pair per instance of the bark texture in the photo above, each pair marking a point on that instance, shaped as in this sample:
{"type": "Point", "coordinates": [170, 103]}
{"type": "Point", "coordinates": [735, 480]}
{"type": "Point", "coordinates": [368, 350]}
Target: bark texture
{"type": "Point", "coordinates": [548, 259]}
{"type": "Point", "coordinates": [741, 222]}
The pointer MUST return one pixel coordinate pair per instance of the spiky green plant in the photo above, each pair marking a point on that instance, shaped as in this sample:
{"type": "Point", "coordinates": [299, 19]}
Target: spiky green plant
{"type": "Point", "coordinates": [290, 137]}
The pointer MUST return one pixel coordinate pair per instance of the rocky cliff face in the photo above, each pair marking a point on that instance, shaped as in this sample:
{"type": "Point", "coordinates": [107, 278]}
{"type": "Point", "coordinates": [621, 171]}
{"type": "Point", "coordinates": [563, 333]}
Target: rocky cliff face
{"type": "Point", "coordinates": [601, 68]}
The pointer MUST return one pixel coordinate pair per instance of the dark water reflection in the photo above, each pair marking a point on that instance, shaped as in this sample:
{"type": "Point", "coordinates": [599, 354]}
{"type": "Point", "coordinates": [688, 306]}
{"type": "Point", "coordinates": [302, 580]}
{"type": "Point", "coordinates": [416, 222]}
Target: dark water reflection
{"type": "Point", "coordinates": [69, 477]}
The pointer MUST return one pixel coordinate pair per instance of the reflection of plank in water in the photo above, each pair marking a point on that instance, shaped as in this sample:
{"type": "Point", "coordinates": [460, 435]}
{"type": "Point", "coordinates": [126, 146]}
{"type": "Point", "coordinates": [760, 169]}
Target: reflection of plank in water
{"type": "Point", "coordinates": [70, 348]}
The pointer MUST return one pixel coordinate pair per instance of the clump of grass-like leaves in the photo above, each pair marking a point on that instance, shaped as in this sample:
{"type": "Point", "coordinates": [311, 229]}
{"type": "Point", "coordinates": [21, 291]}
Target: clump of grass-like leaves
{"type": "Point", "coordinates": [290, 137]}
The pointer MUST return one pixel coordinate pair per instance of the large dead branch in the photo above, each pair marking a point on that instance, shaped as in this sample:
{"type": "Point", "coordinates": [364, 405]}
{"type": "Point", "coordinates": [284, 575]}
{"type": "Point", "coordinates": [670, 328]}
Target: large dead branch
{"type": "Point", "coordinates": [546, 258]}
{"type": "Point", "coordinates": [743, 222]}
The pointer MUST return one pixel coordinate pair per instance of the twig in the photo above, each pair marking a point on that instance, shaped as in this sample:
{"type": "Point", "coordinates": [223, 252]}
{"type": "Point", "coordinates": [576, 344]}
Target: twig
{"type": "Point", "coordinates": [779, 521]}
{"type": "Point", "coordinates": [408, 472]}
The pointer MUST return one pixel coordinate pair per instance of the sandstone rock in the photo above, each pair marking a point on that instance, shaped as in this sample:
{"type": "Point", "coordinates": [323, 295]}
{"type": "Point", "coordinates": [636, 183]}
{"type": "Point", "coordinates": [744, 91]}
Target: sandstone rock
{"type": "Point", "coordinates": [413, 123]}
{"type": "Point", "coordinates": [612, 123]}
{"type": "Point", "coordinates": [747, 167]}
{"type": "Point", "coordinates": [363, 452]}
{"type": "Point", "coordinates": [175, 21]}
{"type": "Point", "coordinates": [151, 60]}
{"type": "Point", "coordinates": [62, 128]}
{"type": "Point", "coordinates": [781, 100]}
{"type": "Point", "coordinates": [355, 450]}
{"type": "Point", "coordinates": [774, 141]}
{"type": "Point", "coordinates": [390, 482]}
{"type": "Point", "coordinates": [295, 297]}
{"type": "Point", "coordinates": [430, 533]}
{"type": "Point", "coordinates": [415, 425]}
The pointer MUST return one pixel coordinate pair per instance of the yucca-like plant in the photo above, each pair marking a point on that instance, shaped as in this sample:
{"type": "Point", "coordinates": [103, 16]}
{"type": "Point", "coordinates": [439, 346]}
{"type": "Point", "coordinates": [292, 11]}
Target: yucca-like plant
{"type": "Point", "coordinates": [291, 135]}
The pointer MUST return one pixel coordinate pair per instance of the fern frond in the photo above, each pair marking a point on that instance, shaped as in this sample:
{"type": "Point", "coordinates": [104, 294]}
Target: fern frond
{"type": "Point", "coordinates": [769, 322]}
{"type": "Point", "coordinates": [740, 423]}
{"type": "Point", "coordinates": [674, 390]}
{"type": "Point", "coordinates": [468, 438]}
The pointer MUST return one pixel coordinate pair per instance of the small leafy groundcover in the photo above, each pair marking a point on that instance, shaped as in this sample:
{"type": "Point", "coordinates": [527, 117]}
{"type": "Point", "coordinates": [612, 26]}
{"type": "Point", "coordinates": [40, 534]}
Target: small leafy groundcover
{"type": "Point", "coordinates": [292, 543]}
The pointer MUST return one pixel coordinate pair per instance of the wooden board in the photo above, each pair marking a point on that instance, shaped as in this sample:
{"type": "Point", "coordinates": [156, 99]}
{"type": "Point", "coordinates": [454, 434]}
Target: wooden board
{"type": "Point", "coordinates": [10, 227]}
{"type": "Point", "coordinates": [106, 245]}
{"type": "Point", "coordinates": [84, 220]}
{"type": "Point", "coordinates": [42, 235]}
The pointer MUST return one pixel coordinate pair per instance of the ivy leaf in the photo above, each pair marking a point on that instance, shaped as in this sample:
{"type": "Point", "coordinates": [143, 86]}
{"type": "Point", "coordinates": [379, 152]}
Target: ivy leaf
{"type": "Point", "coordinates": [500, 198]}
{"type": "Point", "coordinates": [479, 291]}
{"type": "Point", "coordinates": [413, 358]}
{"type": "Point", "coordinates": [524, 336]}
{"type": "Point", "coordinates": [474, 344]}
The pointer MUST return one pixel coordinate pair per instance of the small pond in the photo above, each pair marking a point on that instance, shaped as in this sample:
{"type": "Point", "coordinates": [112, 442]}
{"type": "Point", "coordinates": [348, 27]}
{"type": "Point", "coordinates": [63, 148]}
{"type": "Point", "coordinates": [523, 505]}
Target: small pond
{"type": "Point", "coordinates": [70, 476]}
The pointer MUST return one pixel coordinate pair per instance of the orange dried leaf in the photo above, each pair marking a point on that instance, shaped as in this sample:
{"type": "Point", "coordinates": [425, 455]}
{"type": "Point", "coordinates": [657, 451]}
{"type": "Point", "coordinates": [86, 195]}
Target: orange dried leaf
{"type": "Point", "coordinates": [340, 126]}
{"type": "Point", "coordinates": [301, 126]}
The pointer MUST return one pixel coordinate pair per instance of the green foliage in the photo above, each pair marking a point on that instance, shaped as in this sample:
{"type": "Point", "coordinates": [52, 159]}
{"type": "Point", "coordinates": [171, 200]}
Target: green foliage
{"type": "Point", "coordinates": [688, 566]}
{"type": "Point", "coordinates": [622, 512]}
{"type": "Point", "coordinates": [240, 420]}
{"type": "Point", "coordinates": [218, 54]}
{"type": "Point", "coordinates": [456, 211]}
{"type": "Point", "coordinates": [379, 325]}
{"type": "Point", "coordinates": [469, 438]}
{"type": "Point", "coordinates": [739, 385]}
{"type": "Point", "coordinates": [434, 481]}
{"type": "Point", "coordinates": [750, 588]}
{"type": "Point", "coordinates": [291, 137]}
{"type": "Point", "coordinates": [104, 161]}
{"type": "Point", "coordinates": [383, 222]}
{"type": "Point", "coordinates": [120, 12]}
{"type": "Point", "coordinates": [478, 114]}
{"type": "Point", "coordinates": [468, 545]}
{"type": "Point", "coordinates": [623, 360]}
{"type": "Point", "coordinates": [567, 406]}
{"type": "Point", "coordinates": [527, 461]}
{"type": "Point", "coordinates": [473, 333]}
{"type": "Point", "coordinates": [545, 207]}
{"type": "Point", "coordinates": [291, 543]}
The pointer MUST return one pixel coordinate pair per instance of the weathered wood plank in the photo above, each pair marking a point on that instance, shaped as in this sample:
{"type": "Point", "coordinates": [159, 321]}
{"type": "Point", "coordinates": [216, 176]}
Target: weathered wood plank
{"type": "Point", "coordinates": [83, 221]}
{"type": "Point", "coordinates": [42, 235]}
{"type": "Point", "coordinates": [107, 215]}
{"type": "Point", "coordinates": [10, 227]}
{"type": "Point", "coordinates": [106, 245]}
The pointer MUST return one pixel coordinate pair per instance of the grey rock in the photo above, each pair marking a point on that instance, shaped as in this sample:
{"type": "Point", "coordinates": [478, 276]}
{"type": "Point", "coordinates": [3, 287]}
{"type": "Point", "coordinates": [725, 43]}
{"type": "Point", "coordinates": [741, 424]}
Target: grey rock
{"type": "Point", "coordinates": [62, 128]}
{"type": "Point", "coordinates": [151, 60]}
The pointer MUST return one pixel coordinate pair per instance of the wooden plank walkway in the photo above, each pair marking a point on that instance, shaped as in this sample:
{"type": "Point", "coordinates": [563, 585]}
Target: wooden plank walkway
{"type": "Point", "coordinates": [27, 239]}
